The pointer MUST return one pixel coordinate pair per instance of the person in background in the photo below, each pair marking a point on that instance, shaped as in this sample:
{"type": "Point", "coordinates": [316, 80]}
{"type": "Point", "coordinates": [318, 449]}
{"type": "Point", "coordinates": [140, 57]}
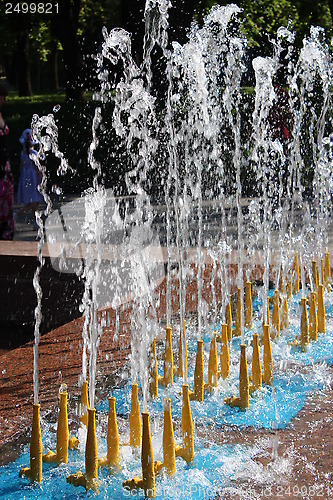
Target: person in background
{"type": "Point", "coordinates": [280, 121]}
{"type": "Point", "coordinates": [30, 177]}
{"type": "Point", "coordinates": [279, 117]}
{"type": "Point", "coordinates": [7, 224]}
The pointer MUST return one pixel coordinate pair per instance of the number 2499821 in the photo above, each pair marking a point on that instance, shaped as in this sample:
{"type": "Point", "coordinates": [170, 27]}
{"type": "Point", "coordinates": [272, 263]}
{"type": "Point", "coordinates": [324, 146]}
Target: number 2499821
{"type": "Point", "coordinates": [32, 8]}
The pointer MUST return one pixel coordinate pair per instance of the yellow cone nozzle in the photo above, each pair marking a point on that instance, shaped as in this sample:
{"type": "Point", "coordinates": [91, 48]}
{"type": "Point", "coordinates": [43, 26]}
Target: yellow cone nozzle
{"type": "Point", "coordinates": [304, 339]}
{"type": "Point", "coordinates": [84, 404]}
{"type": "Point", "coordinates": [224, 355]}
{"type": "Point", "coordinates": [256, 365]}
{"type": "Point", "coordinates": [169, 449]}
{"type": "Point", "coordinates": [62, 431]}
{"type": "Point", "coordinates": [248, 306]}
{"type": "Point", "coordinates": [147, 458]}
{"type": "Point", "coordinates": [238, 330]}
{"type": "Point", "coordinates": [112, 458]}
{"type": "Point", "coordinates": [243, 379]}
{"type": "Point", "coordinates": [179, 371]}
{"type": "Point", "coordinates": [73, 443]}
{"type": "Point", "coordinates": [228, 319]}
{"type": "Point", "coordinates": [167, 379]}
{"type": "Point", "coordinates": [275, 328]}
{"type": "Point", "coordinates": [34, 472]}
{"type": "Point", "coordinates": [135, 419]}
{"type": "Point", "coordinates": [198, 386]}
{"type": "Point", "coordinates": [212, 365]}
{"type": "Point", "coordinates": [281, 284]}
{"type": "Point", "coordinates": [314, 270]}
{"type": "Point", "coordinates": [321, 309]}
{"type": "Point", "coordinates": [313, 322]}
{"type": "Point", "coordinates": [327, 272]}
{"type": "Point", "coordinates": [268, 359]}
{"type": "Point", "coordinates": [289, 285]}
{"type": "Point", "coordinates": [186, 451]}
{"type": "Point", "coordinates": [61, 455]}
{"type": "Point", "coordinates": [267, 320]}
{"type": "Point", "coordinates": [296, 275]}
{"type": "Point", "coordinates": [89, 480]}
{"type": "Point", "coordinates": [153, 372]}
{"type": "Point", "coordinates": [91, 455]}
{"type": "Point", "coordinates": [147, 483]}
{"type": "Point", "coordinates": [284, 317]}
{"type": "Point", "coordinates": [242, 401]}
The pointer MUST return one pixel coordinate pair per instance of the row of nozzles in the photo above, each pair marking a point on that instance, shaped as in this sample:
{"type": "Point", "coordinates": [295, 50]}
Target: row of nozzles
{"type": "Point", "coordinates": [271, 329]}
{"type": "Point", "coordinates": [64, 443]}
{"type": "Point", "coordinates": [258, 377]}
{"type": "Point", "coordinates": [89, 479]}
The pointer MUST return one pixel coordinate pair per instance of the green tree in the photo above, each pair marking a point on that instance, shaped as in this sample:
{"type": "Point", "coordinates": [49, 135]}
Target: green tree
{"type": "Point", "coordinates": [15, 46]}
{"type": "Point", "coordinates": [73, 28]}
{"type": "Point", "coordinates": [310, 13]}
{"type": "Point", "coordinates": [26, 42]}
{"type": "Point", "coordinates": [75, 32]}
{"type": "Point", "coordinates": [262, 18]}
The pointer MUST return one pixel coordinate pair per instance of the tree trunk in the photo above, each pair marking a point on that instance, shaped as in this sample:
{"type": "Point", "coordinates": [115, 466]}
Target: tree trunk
{"type": "Point", "coordinates": [22, 58]}
{"type": "Point", "coordinates": [65, 26]}
{"type": "Point", "coordinates": [11, 69]}
{"type": "Point", "coordinates": [54, 83]}
{"type": "Point", "coordinates": [73, 68]}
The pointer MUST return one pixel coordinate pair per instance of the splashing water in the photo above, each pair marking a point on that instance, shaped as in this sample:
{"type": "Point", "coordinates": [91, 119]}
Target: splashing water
{"type": "Point", "coordinates": [45, 131]}
{"type": "Point", "coordinates": [205, 152]}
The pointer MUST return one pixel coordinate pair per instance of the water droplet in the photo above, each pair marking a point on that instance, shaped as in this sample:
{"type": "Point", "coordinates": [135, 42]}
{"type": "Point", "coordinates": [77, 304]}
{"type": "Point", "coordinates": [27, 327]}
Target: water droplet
{"type": "Point", "coordinates": [56, 189]}
{"type": "Point", "coordinates": [63, 388]}
{"type": "Point", "coordinates": [56, 108]}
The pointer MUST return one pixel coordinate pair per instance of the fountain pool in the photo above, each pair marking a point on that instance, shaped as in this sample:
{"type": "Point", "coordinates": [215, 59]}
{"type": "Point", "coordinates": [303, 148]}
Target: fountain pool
{"type": "Point", "coordinates": [217, 462]}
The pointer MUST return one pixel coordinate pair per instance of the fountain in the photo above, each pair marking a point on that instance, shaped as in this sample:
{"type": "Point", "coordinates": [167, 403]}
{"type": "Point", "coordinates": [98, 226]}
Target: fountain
{"type": "Point", "coordinates": [204, 141]}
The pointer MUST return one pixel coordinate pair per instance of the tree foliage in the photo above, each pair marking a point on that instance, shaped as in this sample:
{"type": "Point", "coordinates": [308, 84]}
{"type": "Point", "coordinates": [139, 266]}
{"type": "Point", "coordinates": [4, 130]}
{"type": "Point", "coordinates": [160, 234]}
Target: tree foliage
{"type": "Point", "coordinates": [76, 31]}
{"type": "Point", "coordinates": [262, 18]}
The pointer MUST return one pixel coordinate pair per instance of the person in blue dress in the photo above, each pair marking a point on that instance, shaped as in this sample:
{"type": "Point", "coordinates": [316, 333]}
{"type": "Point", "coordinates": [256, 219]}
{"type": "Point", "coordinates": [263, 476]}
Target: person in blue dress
{"type": "Point", "coordinates": [30, 177]}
